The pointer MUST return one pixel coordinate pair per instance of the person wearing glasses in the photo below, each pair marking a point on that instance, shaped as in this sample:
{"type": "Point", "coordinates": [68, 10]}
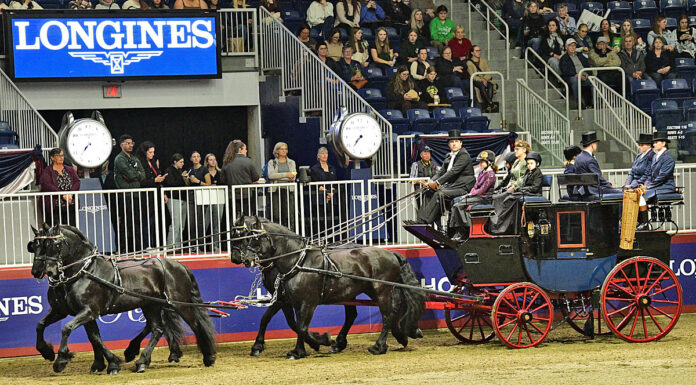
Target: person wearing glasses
{"type": "Point", "coordinates": [583, 41]}
{"type": "Point", "coordinates": [59, 177]}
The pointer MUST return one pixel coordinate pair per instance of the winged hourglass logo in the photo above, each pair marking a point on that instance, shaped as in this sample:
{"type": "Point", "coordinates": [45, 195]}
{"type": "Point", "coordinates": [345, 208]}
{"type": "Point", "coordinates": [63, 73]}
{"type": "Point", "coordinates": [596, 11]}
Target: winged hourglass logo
{"type": "Point", "coordinates": [117, 60]}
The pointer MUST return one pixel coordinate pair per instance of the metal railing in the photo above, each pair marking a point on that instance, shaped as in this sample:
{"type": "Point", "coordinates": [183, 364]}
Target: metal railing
{"type": "Point", "coordinates": [279, 202]}
{"type": "Point", "coordinates": [565, 96]}
{"type": "Point", "coordinates": [503, 121]}
{"type": "Point", "coordinates": [321, 89]}
{"type": "Point", "coordinates": [600, 69]}
{"type": "Point", "coordinates": [617, 116]}
{"type": "Point", "coordinates": [547, 126]}
{"type": "Point", "coordinates": [490, 26]}
{"type": "Point", "coordinates": [238, 27]}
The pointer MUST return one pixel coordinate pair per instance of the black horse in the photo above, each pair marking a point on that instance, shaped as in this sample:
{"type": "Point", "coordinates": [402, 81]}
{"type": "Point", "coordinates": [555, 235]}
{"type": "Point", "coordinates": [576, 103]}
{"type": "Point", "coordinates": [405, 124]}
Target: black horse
{"type": "Point", "coordinates": [67, 257]}
{"type": "Point", "coordinates": [304, 291]}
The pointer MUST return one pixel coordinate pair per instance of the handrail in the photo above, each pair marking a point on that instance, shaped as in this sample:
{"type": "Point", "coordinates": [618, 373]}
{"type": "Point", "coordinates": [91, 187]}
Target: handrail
{"type": "Point", "coordinates": [628, 121]}
{"type": "Point", "coordinates": [231, 18]}
{"type": "Point", "coordinates": [545, 76]}
{"type": "Point", "coordinates": [546, 124]}
{"type": "Point", "coordinates": [487, 19]}
{"type": "Point", "coordinates": [503, 122]}
{"type": "Point", "coordinates": [588, 69]}
{"type": "Point", "coordinates": [322, 89]}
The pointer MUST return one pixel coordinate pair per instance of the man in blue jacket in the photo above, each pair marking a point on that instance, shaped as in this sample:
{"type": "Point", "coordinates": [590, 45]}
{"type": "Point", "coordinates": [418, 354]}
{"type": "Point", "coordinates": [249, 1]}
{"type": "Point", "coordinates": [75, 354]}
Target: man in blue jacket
{"type": "Point", "coordinates": [571, 63]}
{"type": "Point", "coordinates": [661, 178]}
{"type": "Point", "coordinates": [640, 170]}
{"type": "Point", "coordinates": [585, 163]}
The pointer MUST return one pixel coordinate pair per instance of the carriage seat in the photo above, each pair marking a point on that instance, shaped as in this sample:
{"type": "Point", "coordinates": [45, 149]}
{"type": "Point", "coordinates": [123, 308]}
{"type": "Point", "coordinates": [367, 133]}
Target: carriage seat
{"type": "Point", "coordinates": [673, 198]}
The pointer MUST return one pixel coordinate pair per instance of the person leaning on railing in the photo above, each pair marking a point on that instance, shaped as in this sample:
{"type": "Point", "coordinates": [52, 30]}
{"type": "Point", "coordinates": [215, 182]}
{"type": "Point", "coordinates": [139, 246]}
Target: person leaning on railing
{"type": "Point", "coordinates": [178, 202]}
{"type": "Point", "coordinates": [282, 169]}
{"type": "Point", "coordinates": [238, 169]}
{"type": "Point", "coordinates": [59, 177]}
{"type": "Point", "coordinates": [128, 174]}
{"type": "Point", "coordinates": [153, 178]}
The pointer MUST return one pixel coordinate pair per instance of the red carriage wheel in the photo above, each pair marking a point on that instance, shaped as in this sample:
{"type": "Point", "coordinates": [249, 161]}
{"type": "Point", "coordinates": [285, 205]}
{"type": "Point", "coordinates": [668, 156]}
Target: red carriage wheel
{"type": "Point", "coordinates": [470, 325]}
{"type": "Point", "coordinates": [641, 299]}
{"type": "Point", "coordinates": [578, 319]}
{"type": "Point", "coordinates": [522, 315]}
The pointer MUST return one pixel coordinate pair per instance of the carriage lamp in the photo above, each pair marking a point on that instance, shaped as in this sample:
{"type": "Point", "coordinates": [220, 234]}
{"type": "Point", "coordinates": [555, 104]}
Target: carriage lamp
{"type": "Point", "coordinates": [530, 229]}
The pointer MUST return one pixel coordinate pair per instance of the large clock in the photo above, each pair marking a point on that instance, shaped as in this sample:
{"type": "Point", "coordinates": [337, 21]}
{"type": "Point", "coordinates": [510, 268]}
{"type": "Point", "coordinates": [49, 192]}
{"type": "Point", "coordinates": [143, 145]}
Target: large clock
{"type": "Point", "coordinates": [356, 135]}
{"type": "Point", "coordinates": [86, 142]}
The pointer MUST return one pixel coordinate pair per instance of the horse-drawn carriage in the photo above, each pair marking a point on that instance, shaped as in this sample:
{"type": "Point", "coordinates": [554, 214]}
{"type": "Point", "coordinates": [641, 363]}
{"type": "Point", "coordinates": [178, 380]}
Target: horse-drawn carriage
{"type": "Point", "coordinates": [562, 256]}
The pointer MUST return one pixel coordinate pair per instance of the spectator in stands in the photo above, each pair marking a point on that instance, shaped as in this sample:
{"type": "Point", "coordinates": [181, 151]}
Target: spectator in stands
{"type": "Point", "coordinates": [322, 50]}
{"type": "Point", "coordinates": [141, 4]}
{"type": "Point", "coordinates": [128, 171]}
{"type": "Point", "coordinates": [606, 32]}
{"type": "Point", "coordinates": [451, 70]}
{"type": "Point", "coordinates": [686, 45]}
{"type": "Point", "coordinates": [110, 4]}
{"type": "Point", "coordinates": [322, 171]}
{"type": "Point", "coordinates": [326, 205]}
{"type": "Point", "coordinates": [320, 17]}
{"type": "Point", "coordinates": [382, 55]}
{"type": "Point", "coordinates": [533, 27]}
{"type": "Point", "coordinates": [153, 179]}
{"type": "Point", "coordinates": [212, 213]}
{"type": "Point", "coordinates": [334, 45]}
{"type": "Point", "coordinates": [188, 4]}
{"type": "Point", "coordinates": [583, 42]}
{"type": "Point", "coordinates": [371, 14]}
{"type": "Point", "coordinates": [632, 61]}
{"type": "Point", "coordinates": [348, 14]}
{"type": "Point", "coordinates": [196, 172]}
{"type": "Point", "coordinates": [24, 4]}
{"type": "Point", "coordinates": [570, 153]}
{"type": "Point", "coordinates": [408, 51]}
{"type": "Point", "coordinates": [156, 4]}
{"type": "Point", "coordinates": [585, 163]}
{"type": "Point", "coordinates": [571, 63]}
{"type": "Point", "coordinates": [483, 84]}
{"type": "Point", "coordinates": [178, 199]}
{"type": "Point", "coordinates": [401, 91]}
{"type": "Point", "coordinates": [420, 66]}
{"type": "Point", "coordinates": [659, 28]}
{"type": "Point", "coordinates": [425, 167]}
{"type": "Point", "coordinates": [640, 170]}
{"type": "Point", "coordinates": [214, 4]}
{"type": "Point", "coordinates": [426, 6]}
{"type": "Point", "coordinates": [513, 14]}
{"type": "Point", "coordinates": [551, 47]}
{"type": "Point", "coordinates": [659, 64]}
{"type": "Point", "coordinates": [519, 167]}
{"type": "Point", "coordinates": [360, 46]}
{"type": "Point", "coordinates": [420, 26]}
{"type": "Point", "coordinates": [282, 169]}
{"type": "Point", "coordinates": [430, 88]}
{"type": "Point", "coordinates": [566, 23]}
{"type": "Point", "coordinates": [273, 7]}
{"type": "Point", "coordinates": [237, 170]}
{"type": "Point", "coordinates": [59, 177]}
{"type": "Point", "coordinates": [460, 219]}
{"type": "Point", "coordinates": [602, 56]}
{"type": "Point", "coordinates": [303, 36]}
{"type": "Point", "coordinates": [398, 13]}
{"type": "Point", "coordinates": [80, 4]}
{"type": "Point", "coordinates": [128, 174]}
{"type": "Point", "coordinates": [441, 29]}
{"type": "Point", "coordinates": [350, 70]}
{"type": "Point", "coordinates": [461, 46]}
{"type": "Point", "coordinates": [545, 6]}
{"type": "Point", "coordinates": [627, 30]}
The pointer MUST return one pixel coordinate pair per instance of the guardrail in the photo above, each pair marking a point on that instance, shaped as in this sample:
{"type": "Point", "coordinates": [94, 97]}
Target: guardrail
{"type": "Point", "coordinates": [617, 116]}
{"type": "Point", "coordinates": [491, 27]}
{"type": "Point", "coordinates": [322, 90]}
{"type": "Point", "coordinates": [238, 27]}
{"type": "Point", "coordinates": [547, 80]}
{"type": "Point", "coordinates": [503, 121]}
{"type": "Point", "coordinates": [547, 126]}
{"type": "Point", "coordinates": [600, 69]}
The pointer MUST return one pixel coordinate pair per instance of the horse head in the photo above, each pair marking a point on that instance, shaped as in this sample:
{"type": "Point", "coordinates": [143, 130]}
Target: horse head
{"type": "Point", "coordinates": [251, 241]}
{"type": "Point", "coordinates": [55, 247]}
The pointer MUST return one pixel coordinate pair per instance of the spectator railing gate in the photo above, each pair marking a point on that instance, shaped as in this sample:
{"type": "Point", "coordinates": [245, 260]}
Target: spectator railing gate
{"type": "Point", "coordinates": [239, 31]}
{"type": "Point", "coordinates": [490, 16]}
{"type": "Point", "coordinates": [544, 73]}
{"type": "Point", "coordinates": [594, 70]}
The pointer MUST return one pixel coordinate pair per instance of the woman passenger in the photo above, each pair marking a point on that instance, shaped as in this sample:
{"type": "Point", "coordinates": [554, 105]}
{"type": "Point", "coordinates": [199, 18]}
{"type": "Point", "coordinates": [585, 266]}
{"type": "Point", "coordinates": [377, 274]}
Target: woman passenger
{"type": "Point", "coordinates": [460, 218]}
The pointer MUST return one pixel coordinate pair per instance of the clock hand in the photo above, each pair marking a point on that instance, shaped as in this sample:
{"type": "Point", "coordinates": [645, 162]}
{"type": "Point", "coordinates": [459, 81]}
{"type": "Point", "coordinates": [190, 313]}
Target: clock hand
{"type": "Point", "coordinates": [356, 142]}
{"type": "Point", "coordinates": [88, 144]}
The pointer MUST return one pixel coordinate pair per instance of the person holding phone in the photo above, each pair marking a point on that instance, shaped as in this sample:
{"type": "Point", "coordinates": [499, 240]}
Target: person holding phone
{"type": "Point", "coordinates": [153, 178]}
{"type": "Point", "coordinates": [686, 46]}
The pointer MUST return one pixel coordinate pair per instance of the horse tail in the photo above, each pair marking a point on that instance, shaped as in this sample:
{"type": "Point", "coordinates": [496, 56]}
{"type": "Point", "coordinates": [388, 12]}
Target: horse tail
{"type": "Point", "coordinates": [203, 328]}
{"type": "Point", "coordinates": [409, 304]}
{"type": "Point", "coordinates": [172, 326]}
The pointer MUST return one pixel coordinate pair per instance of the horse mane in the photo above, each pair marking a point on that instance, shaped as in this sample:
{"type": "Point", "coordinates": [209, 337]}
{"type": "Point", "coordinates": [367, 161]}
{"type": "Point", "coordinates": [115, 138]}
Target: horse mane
{"type": "Point", "coordinates": [76, 232]}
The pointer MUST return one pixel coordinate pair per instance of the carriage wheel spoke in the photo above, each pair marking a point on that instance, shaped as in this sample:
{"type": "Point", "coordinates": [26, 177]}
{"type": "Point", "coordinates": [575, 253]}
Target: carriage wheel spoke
{"type": "Point", "coordinates": [647, 276]}
{"type": "Point", "coordinates": [535, 327]}
{"type": "Point", "coordinates": [485, 319]}
{"type": "Point", "coordinates": [517, 300]}
{"type": "Point", "coordinates": [619, 299]}
{"type": "Point", "coordinates": [633, 289]}
{"type": "Point", "coordinates": [623, 322]}
{"type": "Point", "coordinates": [463, 326]}
{"type": "Point", "coordinates": [531, 339]}
{"type": "Point", "coordinates": [612, 283]}
{"type": "Point", "coordinates": [621, 310]}
{"type": "Point", "coordinates": [661, 312]}
{"type": "Point", "coordinates": [665, 301]}
{"type": "Point", "coordinates": [509, 304]}
{"type": "Point", "coordinates": [635, 322]}
{"type": "Point", "coordinates": [506, 314]}
{"type": "Point", "coordinates": [638, 285]}
{"type": "Point", "coordinates": [519, 336]}
{"type": "Point", "coordinates": [664, 290]}
{"type": "Point", "coordinates": [655, 321]}
{"type": "Point", "coordinates": [656, 281]}
{"type": "Point", "coordinates": [532, 301]}
{"type": "Point", "coordinates": [645, 326]}
{"type": "Point", "coordinates": [508, 323]}
{"type": "Point", "coordinates": [524, 298]}
{"type": "Point", "coordinates": [483, 335]}
{"type": "Point", "coordinates": [511, 331]}
{"type": "Point", "coordinates": [539, 308]}
{"type": "Point", "coordinates": [471, 331]}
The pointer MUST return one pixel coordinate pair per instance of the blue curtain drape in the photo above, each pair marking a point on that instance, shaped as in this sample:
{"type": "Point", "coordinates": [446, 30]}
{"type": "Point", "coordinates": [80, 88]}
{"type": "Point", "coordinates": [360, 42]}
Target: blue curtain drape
{"type": "Point", "coordinates": [473, 144]}
{"type": "Point", "coordinates": [13, 164]}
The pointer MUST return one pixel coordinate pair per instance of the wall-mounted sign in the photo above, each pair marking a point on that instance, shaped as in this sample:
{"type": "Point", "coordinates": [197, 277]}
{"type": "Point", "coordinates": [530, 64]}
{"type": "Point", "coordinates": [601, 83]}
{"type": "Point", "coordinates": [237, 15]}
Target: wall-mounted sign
{"type": "Point", "coordinates": [98, 45]}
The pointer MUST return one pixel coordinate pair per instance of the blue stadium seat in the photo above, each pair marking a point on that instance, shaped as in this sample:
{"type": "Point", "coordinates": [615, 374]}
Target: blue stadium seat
{"type": "Point", "coordinates": [447, 119]}
{"type": "Point", "coordinates": [675, 88]}
{"type": "Point", "coordinates": [391, 71]}
{"type": "Point", "coordinates": [420, 120]}
{"type": "Point", "coordinates": [620, 10]}
{"type": "Point", "coordinates": [691, 8]}
{"type": "Point", "coordinates": [433, 53]}
{"type": "Point", "coordinates": [686, 68]}
{"type": "Point", "coordinates": [8, 138]}
{"type": "Point", "coordinates": [456, 97]}
{"type": "Point", "coordinates": [399, 124]}
{"type": "Point", "coordinates": [374, 97]}
{"type": "Point", "coordinates": [644, 92]}
{"type": "Point", "coordinates": [367, 34]}
{"type": "Point", "coordinates": [642, 27]}
{"type": "Point", "coordinates": [644, 9]}
{"type": "Point", "coordinates": [376, 78]}
{"type": "Point", "coordinates": [671, 8]}
{"type": "Point", "coordinates": [292, 19]}
{"type": "Point", "coordinates": [671, 23]}
{"type": "Point", "coordinates": [666, 113]}
{"type": "Point", "coordinates": [473, 120]}
{"type": "Point", "coordinates": [689, 108]}
{"type": "Point", "coordinates": [592, 6]}
{"type": "Point", "coordinates": [392, 33]}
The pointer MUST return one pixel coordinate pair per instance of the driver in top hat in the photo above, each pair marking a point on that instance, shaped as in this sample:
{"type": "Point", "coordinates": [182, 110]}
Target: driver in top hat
{"type": "Point", "coordinates": [585, 163]}
{"type": "Point", "coordinates": [455, 178]}
{"type": "Point", "coordinates": [640, 170]}
{"type": "Point", "coordinates": [661, 176]}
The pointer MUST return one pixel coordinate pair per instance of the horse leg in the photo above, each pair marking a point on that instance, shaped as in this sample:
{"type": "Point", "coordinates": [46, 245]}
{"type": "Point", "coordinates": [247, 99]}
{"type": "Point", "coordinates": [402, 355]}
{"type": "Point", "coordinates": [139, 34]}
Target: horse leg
{"type": "Point", "coordinates": [199, 322]}
{"type": "Point", "coordinates": [341, 340]}
{"type": "Point", "coordinates": [154, 319]}
{"type": "Point", "coordinates": [134, 346]}
{"type": "Point", "coordinates": [45, 348]}
{"type": "Point", "coordinates": [304, 318]}
{"type": "Point", "coordinates": [385, 308]}
{"type": "Point", "coordinates": [260, 343]}
{"type": "Point", "coordinates": [64, 355]}
{"type": "Point", "coordinates": [95, 337]}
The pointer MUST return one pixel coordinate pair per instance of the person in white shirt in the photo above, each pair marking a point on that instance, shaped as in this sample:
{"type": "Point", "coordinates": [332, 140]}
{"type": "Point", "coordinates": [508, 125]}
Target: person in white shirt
{"type": "Point", "coordinates": [320, 17]}
{"type": "Point", "coordinates": [25, 4]}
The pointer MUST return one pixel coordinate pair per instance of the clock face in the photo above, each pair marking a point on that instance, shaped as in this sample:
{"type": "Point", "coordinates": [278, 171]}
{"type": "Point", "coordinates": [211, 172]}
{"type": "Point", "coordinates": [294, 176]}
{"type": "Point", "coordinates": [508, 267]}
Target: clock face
{"type": "Point", "coordinates": [89, 143]}
{"type": "Point", "coordinates": [360, 136]}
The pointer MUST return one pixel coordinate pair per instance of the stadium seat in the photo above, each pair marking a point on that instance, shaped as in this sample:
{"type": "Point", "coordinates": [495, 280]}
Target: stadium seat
{"type": "Point", "coordinates": [374, 97]}
{"type": "Point", "coordinates": [666, 113]}
{"type": "Point", "coordinates": [686, 145]}
{"type": "Point", "coordinates": [391, 71]}
{"type": "Point", "coordinates": [692, 20]}
{"type": "Point", "coordinates": [367, 34]}
{"type": "Point", "coordinates": [51, 4]}
{"type": "Point", "coordinates": [457, 98]}
{"type": "Point", "coordinates": [292, 19]}
{"type": "Point", "coordinates": [686, 68]}
{"type": "Point", "coordinates": [689, 108]}
{"type": "Point", "coordinates": [691, 8]}
{"type": "Point", "coordinates": [644, 9]}
{"type": "Point", "coordinates": [671, 23]}
{"type": "Point", "coordinates": [592, 6]}
{"type": "Point", "coordinates": [675, 88]}
{"type": "Point", "coordinates": [376, 78]}
{"type": "Point", "coordinates": [473, 120]}
{"type": "Point", "coordinates": [8, 138]}
{"type": "Point", "coordinates": [644, 92]}
{"type": "Point", "coordinates": [421, 121]}
{"type": "Point", "coordinates": [671, 8]}
{"type": "Point", "coordinates": [399, 124]}
{"type": "Point", "coordinates": [642, 27]}
{"type": "Point", "coordinates": [620, 10]}
{"type": "Point", "coordinates": [433, 53]}
{"type": "Point", "coordinates": [447, 119]}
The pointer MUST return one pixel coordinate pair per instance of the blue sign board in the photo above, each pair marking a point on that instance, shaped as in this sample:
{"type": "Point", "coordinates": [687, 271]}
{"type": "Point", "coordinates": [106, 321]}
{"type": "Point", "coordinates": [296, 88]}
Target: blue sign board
{"type": "Point", "coordinates": [101, 46]}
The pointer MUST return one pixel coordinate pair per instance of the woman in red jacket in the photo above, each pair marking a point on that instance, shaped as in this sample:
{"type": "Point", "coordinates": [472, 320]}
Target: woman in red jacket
{"type": "Point", "coordinates": [59, 177]}
{"type": "Point", "coordinates": [461, 46]}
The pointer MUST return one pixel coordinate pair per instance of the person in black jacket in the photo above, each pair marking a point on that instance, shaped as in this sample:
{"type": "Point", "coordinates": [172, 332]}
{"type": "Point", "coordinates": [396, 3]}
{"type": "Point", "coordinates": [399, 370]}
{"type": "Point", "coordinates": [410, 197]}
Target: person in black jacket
{"type": "Point", "coordinates": [398, 95]}
{"type": "Point", "coordinates": [551, 47]}
{"type": "Point", "coordinates": [430, 88]}
{"type": "Point", "coordinates": [153, 178]}
{"type": "Point", "coordinates": [659, 63]}
{"type": "Point", "coordinates": [513, 13]}
{"type": "Point", "coordinates": [451, 70]}
{"type": "Point", "coordinates": [533, 26]}
{"type": "Point", "coordinates": [571, 63]}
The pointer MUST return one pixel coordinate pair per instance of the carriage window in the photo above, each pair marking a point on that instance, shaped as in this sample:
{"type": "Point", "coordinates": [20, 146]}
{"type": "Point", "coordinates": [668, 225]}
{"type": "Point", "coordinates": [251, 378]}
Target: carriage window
{"type": "Point", "coordinates": [571, 229]}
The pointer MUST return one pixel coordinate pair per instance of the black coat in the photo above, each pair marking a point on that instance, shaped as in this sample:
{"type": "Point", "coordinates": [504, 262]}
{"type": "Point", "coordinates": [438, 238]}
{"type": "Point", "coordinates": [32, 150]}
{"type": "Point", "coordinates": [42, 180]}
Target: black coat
{"type": "Point", "coordinates": [568, 68]}
{"type": "Point", "coordinates": [532, 182]}
{"type": "Point", "coordinates": [460, 176]}
{"type": "Point", "coordinates": [555, 47]}
{"type": "Point", "coordinates": [422, 86]}
{"type": "Point", "coordinates": [535, 23]}
{"type": "Point", "coordinates": [445, 70]}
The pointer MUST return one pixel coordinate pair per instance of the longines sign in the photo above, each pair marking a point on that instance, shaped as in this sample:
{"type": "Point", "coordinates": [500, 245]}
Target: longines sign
{"type": "Point", "coordinates": [94, 45]}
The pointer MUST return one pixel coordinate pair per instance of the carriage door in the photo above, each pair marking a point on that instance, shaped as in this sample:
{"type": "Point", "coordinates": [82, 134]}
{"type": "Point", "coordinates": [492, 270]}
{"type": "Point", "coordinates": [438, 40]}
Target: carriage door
{"type": "Point", "coordinates": [570, 227]}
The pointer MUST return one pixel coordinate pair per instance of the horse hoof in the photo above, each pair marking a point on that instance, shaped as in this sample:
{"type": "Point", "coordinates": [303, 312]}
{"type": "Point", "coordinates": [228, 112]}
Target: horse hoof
{"type": "Point", "coordinates": [113, 372]}
{"type": "Point", "coordinates": [140, 368]}
{"type": "Point", "coordinates": [130, 355]}
{"type": "Point", "coordinates": [59, 366]}
{"type": "Point", "coordinates": [417, 334]}
{"type": "Point", "coordinates": [98, 367]}
{"type": "Point", "coordinates": [48, 355]}
{"type": "Point", "coordinates": [209, 360]}
{"type": "Point", "coordinates": [255, 353]}
{"type": "Point", "coordinates": [374, 349]}
{"type": "Point", "coordinates": [173, 360]}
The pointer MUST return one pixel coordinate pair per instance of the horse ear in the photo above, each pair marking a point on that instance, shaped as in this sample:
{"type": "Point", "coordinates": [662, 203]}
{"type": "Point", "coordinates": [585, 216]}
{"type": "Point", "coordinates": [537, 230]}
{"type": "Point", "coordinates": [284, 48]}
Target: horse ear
{"type": "Point", "coordinates": [239, 221]}
{"type": "Point", "coordinates": [45, 227]}
{"type": "Point", "coordinates": [36, 232]}
{"type": "Point", "coordinates": [257, 223]}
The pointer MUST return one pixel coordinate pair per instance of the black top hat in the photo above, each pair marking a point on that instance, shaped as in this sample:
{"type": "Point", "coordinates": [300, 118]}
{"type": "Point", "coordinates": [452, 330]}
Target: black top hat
{"type": "Point", "coordinates": [487, 155]}
{"type": "Point", "coordinates": [645, 139]}
{"type": "Point", "coordinates": [571, 151]}
{"type": "Point", "coordinates": [454, 135]}
{"type": "Point", "coordinates": [426, 149]}
{"type": "Point", "coordinates": [588, 138]}
{"type": "Point", "coordinates": [660, 136]}
{"type": "Point", "coordinates": [534, 155]}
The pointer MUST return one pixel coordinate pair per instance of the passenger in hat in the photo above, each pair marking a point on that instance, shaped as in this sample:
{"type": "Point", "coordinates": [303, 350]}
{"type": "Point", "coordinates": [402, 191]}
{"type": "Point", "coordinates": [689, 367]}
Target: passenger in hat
{"type": "Point", "coordinates": [509, 162]}
{"type": "Point", "coordinates": [425, 167]}
{"type": "Point", "coordinates": [570, 153]}
{"type": "Point", "coordinates": [585, 163]}
{"type": "Point", "coordinates": [455, 178]}
{"type": "Point", "coordinates": [519, 167]}
{"type": "Point", "coordinates": [603, 56]}
{"type": "Point", "coordinates": [640, 170]}
{"type": "Point", "coordinates": [571, 64]}
{"type": "Point", "coordinates": [460, 219]}
{"type": "Point", "coordinates": [661, 178]}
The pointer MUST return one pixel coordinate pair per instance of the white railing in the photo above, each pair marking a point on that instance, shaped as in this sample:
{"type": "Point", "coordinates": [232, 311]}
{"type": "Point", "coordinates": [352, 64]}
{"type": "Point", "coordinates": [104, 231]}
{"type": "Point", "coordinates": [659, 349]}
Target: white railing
{"type": "Point", "coordinates": [322, 90]}
{"type": "Point", "coordinates": [239, 36]}
{"type": "Point", "coordinates": [490, 26]}
{"type": "Point", "coordinates": [23, 117]}
{"type": "Point", "coordinates": [595, 70]}
{"type": "Point", "coordinates": [617, 116]}
{"type": "Point", "coordinates": [544, 72]}
{"type": "Point", "coordinates": [279, 202]}
{"type": "Point", "coordinates": [548, 127]}
{"type": "Point", "coordinates": [503, 121]}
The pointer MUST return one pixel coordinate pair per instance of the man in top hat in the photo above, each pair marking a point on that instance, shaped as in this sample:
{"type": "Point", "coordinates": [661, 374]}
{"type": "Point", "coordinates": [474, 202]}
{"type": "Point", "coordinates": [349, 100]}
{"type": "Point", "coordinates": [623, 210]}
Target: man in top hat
{"type": "Point", "coordinates": [425, 167]}
{"type": "Point", "coordinates": [640, 170]}
{"type": "Point", "coordinates": [585, 163]}
{"type": "Point", "coordinates": [661, 177]}
{"type": "Point", "coordinates": [455, 178]}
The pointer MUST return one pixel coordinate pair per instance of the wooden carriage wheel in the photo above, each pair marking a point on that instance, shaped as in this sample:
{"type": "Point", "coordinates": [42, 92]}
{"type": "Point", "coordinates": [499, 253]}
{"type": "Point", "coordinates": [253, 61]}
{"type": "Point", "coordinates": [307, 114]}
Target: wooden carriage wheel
{"type": "Point", "coordinates": [471, 326]}
{"type": "Point", "coordinates": [522, 315]}
{"type": "Point", "coordinates": [641, 299]}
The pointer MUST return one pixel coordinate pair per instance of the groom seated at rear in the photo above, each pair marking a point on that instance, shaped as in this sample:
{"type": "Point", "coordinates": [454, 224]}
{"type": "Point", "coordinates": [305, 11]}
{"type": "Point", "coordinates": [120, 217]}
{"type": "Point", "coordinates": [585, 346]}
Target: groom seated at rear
{"type": "Point", "coordinates": [455, 178]}
{"type": "Point", "coordinates": [585, 163]}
